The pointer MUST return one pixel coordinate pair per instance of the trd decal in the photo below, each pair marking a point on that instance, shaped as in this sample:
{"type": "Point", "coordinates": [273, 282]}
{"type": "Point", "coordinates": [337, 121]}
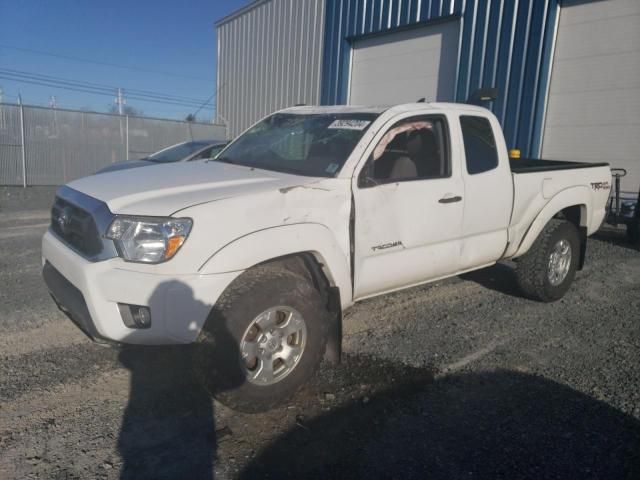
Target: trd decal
{"type": "Point", "coordinates": [600, 185]}
{"type": "Point", "coordinates": [384, 246]}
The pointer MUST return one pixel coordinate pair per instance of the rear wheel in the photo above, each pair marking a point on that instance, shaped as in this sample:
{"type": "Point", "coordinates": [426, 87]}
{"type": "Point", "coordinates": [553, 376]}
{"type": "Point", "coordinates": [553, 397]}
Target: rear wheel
{"type": "Point", "coordinates": [263, 340]}
{"type": "Point", "coordinates": [547, 270]}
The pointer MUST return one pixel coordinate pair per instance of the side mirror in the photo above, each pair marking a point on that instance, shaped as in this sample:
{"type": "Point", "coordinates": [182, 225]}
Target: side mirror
{"type": "Point", "coordinates": [366, 180]}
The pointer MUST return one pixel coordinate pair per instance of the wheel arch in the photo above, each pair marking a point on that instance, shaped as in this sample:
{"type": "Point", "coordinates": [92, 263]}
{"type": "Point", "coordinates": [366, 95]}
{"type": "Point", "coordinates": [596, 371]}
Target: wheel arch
{"type": "Point", "coordinates": [573, 205]}
{"type": "Point", "coordinates": [307, 240]}
{"type": "Point", "coordinates": [313, 254]}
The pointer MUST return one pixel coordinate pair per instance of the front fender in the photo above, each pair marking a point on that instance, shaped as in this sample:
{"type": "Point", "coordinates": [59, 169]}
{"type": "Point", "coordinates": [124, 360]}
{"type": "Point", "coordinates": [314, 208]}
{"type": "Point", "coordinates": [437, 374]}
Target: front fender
{"type": "Point", "coordinates": [267, 244]}
{"type": "Point", "coordinates": [570, 197]}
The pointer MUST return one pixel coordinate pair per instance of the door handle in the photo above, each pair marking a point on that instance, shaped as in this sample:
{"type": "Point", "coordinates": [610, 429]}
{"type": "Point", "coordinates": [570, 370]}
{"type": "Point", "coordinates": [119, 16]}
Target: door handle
{"type": "Point", "coordinates": [455, 199]}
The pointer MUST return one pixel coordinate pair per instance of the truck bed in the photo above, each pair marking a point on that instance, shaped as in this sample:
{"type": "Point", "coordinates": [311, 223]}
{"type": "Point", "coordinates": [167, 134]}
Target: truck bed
{"type": "Point", "coordinates": [529, 165]}
{"type": "Point", "coordinates": [537, 183]}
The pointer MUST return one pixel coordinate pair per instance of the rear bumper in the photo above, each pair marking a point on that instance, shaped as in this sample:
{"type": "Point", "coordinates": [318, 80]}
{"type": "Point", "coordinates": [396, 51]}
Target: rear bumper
{"type": "Point", "coordinates": [89, 293]}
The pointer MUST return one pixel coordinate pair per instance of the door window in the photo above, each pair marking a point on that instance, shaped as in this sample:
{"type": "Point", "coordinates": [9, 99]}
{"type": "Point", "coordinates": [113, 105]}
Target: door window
{"type": "Point", "coordinates": [412, 149]}
{"type": "Point", "coordinates": [479, 144]}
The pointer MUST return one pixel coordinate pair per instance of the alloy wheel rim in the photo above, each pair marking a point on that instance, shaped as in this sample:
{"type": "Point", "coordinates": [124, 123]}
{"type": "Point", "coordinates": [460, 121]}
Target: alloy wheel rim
{"type": "Point", "coordinates": [559, 262]}
{"type": "Point", "coordinates": [272, 345]}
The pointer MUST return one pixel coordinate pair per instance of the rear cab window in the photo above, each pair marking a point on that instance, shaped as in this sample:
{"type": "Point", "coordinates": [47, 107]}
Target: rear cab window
{"type": "Point", "coordinates": [479, 144]}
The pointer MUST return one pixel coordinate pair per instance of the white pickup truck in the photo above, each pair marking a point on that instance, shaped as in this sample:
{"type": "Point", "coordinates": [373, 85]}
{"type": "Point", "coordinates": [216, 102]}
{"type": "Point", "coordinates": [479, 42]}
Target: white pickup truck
{"type": "Point", "coordinates": [253, 256]}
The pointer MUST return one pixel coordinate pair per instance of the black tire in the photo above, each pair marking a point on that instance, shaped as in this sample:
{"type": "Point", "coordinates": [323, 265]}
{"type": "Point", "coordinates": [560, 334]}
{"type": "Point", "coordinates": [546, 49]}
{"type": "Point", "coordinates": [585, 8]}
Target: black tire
{"type": "Point", "coordinates": [533, 267]}
{"type": "Point", "coordinates": [217, 359]}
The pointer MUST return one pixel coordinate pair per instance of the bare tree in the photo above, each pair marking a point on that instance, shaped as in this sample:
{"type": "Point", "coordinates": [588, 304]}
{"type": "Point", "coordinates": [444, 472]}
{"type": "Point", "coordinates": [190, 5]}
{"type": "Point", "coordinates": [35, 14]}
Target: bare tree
{"type": "Point", "coordinates": [127, 110]}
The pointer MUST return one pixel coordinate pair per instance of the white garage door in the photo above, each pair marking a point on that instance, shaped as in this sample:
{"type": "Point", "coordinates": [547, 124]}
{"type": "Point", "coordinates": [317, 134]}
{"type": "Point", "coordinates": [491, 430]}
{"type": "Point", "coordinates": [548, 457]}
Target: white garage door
{"type": "Point", "coordinates": [405, 66]}
{"type": "Point", "coordinates": [594, 99]}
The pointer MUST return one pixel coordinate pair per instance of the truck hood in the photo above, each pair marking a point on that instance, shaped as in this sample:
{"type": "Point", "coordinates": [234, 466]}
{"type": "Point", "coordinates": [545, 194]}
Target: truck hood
{"type": "Point", "coordinates": [166, 189]}
{"type": "Point", "coordinates": [125, 165]}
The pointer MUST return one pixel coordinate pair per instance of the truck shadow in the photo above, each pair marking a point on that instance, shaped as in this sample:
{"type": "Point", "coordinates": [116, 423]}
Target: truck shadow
{"type": "Point", "coordinates": [501, 424]}
{"type": "Point", "coordinates": [385, 420]}
{"type": "Point", "coordinates": [168, 427]}
{"type": "Point", "coordinates": [499, 277]}
{"type": "Point", "coordinates": [615, 236]}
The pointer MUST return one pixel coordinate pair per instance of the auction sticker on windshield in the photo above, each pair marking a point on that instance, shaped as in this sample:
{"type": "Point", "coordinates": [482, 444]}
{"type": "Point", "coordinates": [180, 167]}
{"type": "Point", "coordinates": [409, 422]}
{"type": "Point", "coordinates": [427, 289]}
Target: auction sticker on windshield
{"type": "Point", "coordinates": [348, 124]}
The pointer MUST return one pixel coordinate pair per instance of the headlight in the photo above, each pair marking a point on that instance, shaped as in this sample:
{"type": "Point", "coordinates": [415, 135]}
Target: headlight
{"type": "Point", "coordinates": [148, 239]}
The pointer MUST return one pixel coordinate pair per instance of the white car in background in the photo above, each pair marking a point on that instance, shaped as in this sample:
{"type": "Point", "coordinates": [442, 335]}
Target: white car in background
{"type": "Point", "coordinates": [181, 152]}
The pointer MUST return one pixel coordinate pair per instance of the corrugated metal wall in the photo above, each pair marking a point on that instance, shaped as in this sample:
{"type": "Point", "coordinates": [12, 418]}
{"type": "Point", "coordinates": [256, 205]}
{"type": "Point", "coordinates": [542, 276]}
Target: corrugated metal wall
{"type": "Point", "coordinates": [61, 145]}
{"type": "Point", "coordinates": [504, 43]}
{"type": "Point", "coordinates": [269, 57]}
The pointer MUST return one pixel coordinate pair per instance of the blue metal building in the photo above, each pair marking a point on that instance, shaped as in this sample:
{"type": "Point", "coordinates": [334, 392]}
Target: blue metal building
{"type": "Point", "coordinates": [567, 71]}
{"type": "Point", "coordinates": [503, 44]}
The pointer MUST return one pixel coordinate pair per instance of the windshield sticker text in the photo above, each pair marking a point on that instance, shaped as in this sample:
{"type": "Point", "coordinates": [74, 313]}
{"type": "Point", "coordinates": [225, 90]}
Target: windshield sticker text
{"type": "Point", "coordinates": [347, 124]}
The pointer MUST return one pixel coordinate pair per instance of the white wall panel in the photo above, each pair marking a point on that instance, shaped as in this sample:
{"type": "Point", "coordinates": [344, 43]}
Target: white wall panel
{"type": "Point", "coordinates": [405, 66]}
{"type": "Point", "coordinates": [594, 98]}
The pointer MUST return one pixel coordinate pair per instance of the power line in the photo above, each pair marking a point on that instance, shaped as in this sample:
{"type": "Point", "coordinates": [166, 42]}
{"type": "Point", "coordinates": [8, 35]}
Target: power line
{"type": "Point", "coordinates": [106, 64]}
{"type": "Point", "coordinates": [97, 86]}
{"type": "Point", "coordinates": [49, 81]}
{"type": "Point", "coordinates": [86, 87]}
{"type": "Point", "coordinates": [94, 92]}
{"type": "Point", "coordinates": [76, 89]}
{"type": "Point", "coordinates": [206, 101]}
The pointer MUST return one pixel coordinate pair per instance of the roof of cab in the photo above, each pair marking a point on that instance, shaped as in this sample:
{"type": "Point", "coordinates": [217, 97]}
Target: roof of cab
{"type": "Point", "coordinates": [330, 109]}
{"type": "Point", "coordinates": [378, 109]}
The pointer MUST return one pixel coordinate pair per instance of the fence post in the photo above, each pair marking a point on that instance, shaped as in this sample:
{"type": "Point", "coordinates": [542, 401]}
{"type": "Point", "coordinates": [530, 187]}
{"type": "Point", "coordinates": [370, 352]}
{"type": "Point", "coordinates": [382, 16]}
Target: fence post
{"type": "Point", "coordinates": [126, 135]}
{"type": "Point", "coordinates": [24, 153]}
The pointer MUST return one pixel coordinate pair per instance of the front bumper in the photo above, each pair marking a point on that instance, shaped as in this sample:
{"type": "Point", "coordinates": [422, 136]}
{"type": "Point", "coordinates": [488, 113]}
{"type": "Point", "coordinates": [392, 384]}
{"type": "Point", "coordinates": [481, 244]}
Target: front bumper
{"type": "Point", "coordinates": [89, 293]}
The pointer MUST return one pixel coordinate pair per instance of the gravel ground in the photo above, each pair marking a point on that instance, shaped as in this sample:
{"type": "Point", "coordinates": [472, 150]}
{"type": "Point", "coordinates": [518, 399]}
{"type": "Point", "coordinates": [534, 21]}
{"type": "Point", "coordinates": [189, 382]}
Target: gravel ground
{"type": "Point", "coordinates": [458, 379]}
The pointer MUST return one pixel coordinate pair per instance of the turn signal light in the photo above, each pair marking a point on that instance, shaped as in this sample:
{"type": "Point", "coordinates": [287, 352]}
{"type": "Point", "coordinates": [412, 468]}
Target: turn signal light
{"type": "Point", "coordinates": [173, 244]}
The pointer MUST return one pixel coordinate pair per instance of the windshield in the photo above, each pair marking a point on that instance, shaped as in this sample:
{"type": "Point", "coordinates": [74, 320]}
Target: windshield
{"type": "Point", "coordinates": [311, 144]}
{"type": "Point", "coordinates": [176, 153]}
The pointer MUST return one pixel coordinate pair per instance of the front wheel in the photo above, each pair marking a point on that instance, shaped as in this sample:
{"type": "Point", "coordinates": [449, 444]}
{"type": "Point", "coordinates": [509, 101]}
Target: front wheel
{"type": "Point", "coordinates": [263, 340]}
{"type": "Point", "coordinates": [547, 270]}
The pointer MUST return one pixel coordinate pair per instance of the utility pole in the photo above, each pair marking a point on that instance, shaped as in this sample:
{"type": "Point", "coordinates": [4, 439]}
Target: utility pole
{"type": "Point", "coordinates": [120, 101]}
{"type": "Point", "coordinates": [124, 132]}
{"type": "Point", "coordinates": [54, 105]}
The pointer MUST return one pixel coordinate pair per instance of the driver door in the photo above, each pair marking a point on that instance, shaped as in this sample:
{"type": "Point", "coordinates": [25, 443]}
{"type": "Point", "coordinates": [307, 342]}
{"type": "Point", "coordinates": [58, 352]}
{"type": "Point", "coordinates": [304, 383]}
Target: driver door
{"type": "Point", "coordinates": [408, 208]}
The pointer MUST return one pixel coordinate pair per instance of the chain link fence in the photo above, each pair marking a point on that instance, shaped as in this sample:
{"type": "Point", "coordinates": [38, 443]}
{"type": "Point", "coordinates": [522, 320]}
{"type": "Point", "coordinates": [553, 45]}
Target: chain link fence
{"type": "Point", "coordinates": [46, 146]}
